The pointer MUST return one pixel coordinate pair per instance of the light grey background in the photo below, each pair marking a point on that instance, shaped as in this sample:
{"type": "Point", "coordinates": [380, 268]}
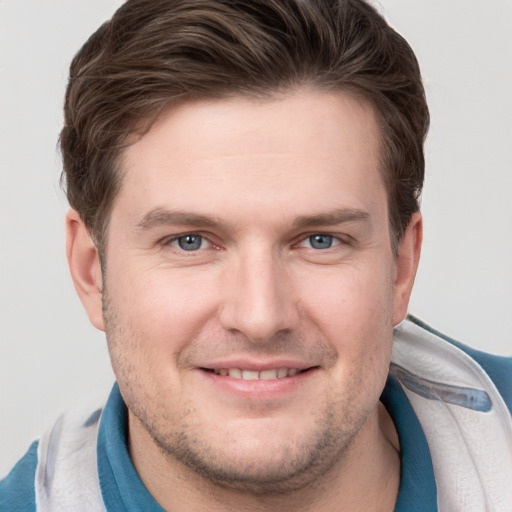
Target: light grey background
{"type": "Point", "coordinates": [51, 358]}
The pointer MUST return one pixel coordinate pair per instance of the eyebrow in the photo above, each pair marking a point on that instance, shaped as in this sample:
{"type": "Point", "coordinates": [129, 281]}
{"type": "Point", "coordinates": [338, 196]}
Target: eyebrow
{"type": "Point", "coordinates": [332, 218]}
{"type": "Point", "coordinates": [161, 217]}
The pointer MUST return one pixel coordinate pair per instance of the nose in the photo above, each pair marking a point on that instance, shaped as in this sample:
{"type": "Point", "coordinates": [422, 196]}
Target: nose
{"type": "Point", "coordinates": [259, 297]}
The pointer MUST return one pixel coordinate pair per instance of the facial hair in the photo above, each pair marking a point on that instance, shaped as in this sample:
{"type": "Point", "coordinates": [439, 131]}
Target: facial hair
{"type": "Point", "coordinates": [303, 462]}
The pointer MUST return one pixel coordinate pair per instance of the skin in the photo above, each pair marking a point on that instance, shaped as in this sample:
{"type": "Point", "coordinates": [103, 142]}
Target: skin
{"type": "Point", "coordinates": [253, 181]}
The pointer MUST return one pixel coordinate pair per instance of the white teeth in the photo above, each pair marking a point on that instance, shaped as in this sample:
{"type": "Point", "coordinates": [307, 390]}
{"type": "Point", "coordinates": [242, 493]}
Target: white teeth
{"type": "Point", "coordinates": [268, 374]}
{"type": "Point", "coordinates": [237, 373]}
{"type": "Point", "coordinates": [282, 372]}
{"type": "Point", "coordinates": [250, 375]}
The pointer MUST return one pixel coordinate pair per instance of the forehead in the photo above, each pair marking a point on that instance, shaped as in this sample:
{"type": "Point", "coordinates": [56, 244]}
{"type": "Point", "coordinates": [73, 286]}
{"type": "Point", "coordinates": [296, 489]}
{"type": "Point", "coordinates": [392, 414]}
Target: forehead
{"type": "Point", "coordinates": [297, 149]}
{"type": "Point", "coordinates": [310, 118]}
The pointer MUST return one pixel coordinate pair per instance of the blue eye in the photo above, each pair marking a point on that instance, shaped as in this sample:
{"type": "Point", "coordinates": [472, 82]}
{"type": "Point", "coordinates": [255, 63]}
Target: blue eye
{"type": "Point", "coordinates": [190, 242]}
{"type": "Point", "coordinates": [321, 241]}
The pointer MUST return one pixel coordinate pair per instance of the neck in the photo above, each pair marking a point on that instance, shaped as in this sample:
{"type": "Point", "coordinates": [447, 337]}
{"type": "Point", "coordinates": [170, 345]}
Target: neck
{"type": "Point", "coordinates": [366, 478]}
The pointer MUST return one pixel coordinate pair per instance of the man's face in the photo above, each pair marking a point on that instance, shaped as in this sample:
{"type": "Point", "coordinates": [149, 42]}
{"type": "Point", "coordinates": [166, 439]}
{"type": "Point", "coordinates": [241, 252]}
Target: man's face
{"type": "Point", "coordinates": [250, 285]}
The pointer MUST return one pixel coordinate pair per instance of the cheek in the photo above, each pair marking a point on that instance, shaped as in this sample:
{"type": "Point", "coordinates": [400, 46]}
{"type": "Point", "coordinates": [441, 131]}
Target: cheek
{"type": "Point", "coordinates": [353, 311]}
{"type": "Point", "coordinates": [351, 301]}
{"type": "Point", "coordinates": [163, 308]}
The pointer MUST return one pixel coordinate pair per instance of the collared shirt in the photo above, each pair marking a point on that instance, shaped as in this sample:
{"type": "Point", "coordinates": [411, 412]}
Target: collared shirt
{"type": "Point", "coordinates": [123, 490]}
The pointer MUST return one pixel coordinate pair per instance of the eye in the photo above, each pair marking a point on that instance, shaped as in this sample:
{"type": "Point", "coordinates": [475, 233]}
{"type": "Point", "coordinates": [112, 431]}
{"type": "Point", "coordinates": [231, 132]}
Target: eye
{"type": "Point", "coordinates": [190, 242]}
{"type": "Point", "coordinates": [321, 241]}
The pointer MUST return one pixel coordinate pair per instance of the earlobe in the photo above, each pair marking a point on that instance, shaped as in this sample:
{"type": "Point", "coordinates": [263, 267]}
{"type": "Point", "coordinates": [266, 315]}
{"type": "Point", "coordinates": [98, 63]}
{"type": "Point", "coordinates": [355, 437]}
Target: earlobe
{"type": "Point", "coordinates": [85, 267]}
{"type": "Point", "coordinates": [407, 260]}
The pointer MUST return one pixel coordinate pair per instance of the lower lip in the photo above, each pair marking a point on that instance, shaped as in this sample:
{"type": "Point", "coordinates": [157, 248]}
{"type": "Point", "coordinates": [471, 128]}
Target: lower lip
{"type": "Point", "coordinates": [259, 389]}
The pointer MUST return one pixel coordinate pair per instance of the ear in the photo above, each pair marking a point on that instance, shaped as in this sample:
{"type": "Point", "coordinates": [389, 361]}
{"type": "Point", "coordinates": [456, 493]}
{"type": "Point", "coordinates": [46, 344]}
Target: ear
{"type": "Point", "coordinates": [407, 261]}
{"type": "Point", "coordinates": [84, 264]}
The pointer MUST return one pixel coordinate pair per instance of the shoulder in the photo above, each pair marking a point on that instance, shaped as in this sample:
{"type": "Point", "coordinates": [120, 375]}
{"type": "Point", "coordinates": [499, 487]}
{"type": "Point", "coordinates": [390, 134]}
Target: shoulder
{"type": "Point", "coordinates": [498, 368]}
{"type": "Point", "coordinates": [59, 471]}
{"type": "Point", "coordinates": [462, 399]}
{"type": "Point", "coordinates": [17, 492]}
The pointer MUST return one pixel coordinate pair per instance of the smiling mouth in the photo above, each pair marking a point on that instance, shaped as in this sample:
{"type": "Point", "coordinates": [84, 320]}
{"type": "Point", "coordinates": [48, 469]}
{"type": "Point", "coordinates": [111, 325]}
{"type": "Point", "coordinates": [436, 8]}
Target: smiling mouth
{"type": "Point", "coordinates": [272, 374]}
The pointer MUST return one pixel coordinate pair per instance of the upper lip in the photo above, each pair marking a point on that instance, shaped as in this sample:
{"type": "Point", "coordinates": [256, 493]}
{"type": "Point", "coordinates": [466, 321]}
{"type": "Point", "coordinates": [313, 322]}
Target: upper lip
{"type": "Point", "coordinates": [256, 365]}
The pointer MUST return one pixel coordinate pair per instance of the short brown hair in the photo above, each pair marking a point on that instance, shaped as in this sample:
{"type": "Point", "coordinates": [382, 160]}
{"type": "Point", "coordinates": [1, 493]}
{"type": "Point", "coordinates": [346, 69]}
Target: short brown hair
{"type": "Point", "coordinates": [154, 52]}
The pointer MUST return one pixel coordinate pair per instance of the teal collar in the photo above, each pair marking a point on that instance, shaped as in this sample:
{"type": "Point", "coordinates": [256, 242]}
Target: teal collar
{"type": "Point", "coordinates": [123, 490]}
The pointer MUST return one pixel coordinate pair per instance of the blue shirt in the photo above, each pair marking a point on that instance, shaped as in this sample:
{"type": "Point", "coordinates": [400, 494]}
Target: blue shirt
{"type": "Point", "coordinates": [122, 489]}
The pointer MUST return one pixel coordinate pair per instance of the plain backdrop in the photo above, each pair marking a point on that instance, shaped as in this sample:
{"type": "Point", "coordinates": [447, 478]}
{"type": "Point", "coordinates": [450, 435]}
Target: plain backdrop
{"type": "Point", "coordinates": [51, 358]}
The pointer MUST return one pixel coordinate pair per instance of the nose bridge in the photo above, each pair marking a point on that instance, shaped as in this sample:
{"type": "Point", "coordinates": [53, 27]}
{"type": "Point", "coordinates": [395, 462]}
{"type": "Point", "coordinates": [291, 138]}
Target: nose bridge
{"type": "Point", "coordinates": [259, 302]}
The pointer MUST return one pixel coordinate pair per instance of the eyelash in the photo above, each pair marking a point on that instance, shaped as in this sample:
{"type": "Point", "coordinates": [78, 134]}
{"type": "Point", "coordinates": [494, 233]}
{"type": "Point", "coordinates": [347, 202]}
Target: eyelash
{"type": "Point", "coordinates": [170, 241]}
{"type": "Point", "coordinates": [336, 239]}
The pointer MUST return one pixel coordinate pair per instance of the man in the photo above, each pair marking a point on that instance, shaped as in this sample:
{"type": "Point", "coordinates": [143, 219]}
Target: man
{"type": "Point", "coordinates": [244, 181]}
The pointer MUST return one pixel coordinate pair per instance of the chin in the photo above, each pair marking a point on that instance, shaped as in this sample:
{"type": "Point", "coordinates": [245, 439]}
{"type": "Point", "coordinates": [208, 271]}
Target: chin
{"type": "Point", "coordinates": [261, 460]}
